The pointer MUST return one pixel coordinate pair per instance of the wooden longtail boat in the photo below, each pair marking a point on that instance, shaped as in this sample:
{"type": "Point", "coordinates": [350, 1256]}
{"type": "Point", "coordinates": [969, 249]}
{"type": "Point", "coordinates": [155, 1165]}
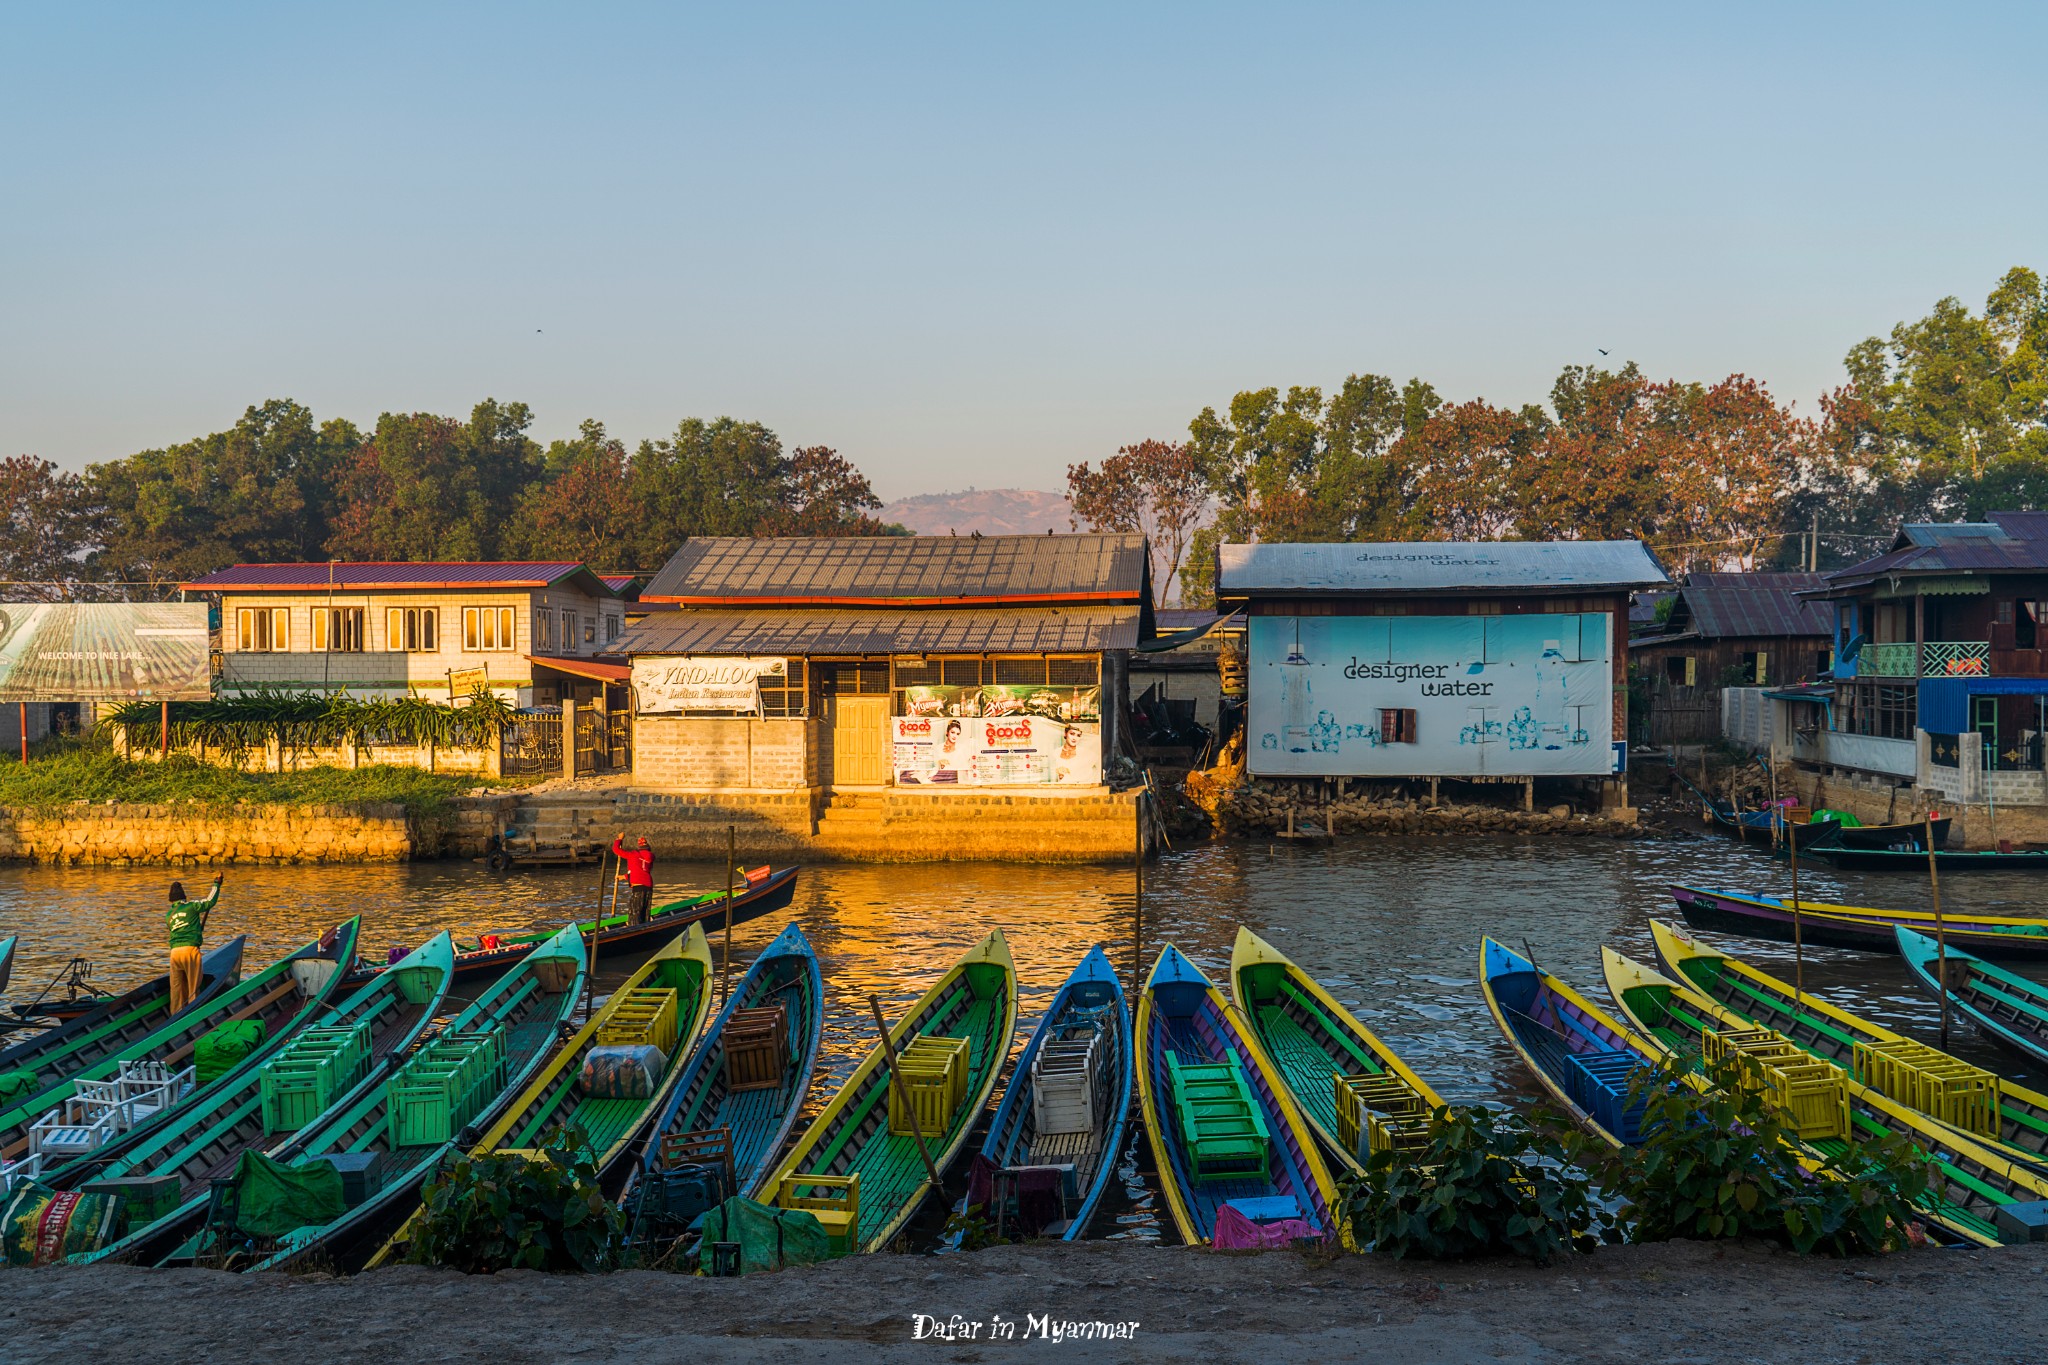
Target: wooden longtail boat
{"type": "Point", "coordinates": [532, 1004]}
{"type": "Point", "coordinates": [554, 1100]}
{"type": "Point", "coordinates": [487, 958]}
{"type": "Point", "coordinates": [1580, 1054]}
{"type": "Point", "coordinates": [279, 997]}
{"type": "Point", "coordinates": [976, 1001]}
{"type": "Point", "coordinates": [759, 1117]}
{"type": "Point", "coordinates": [1089, 1004]}
{"type": "Point", "coordinates": [1828, 1031]}
{"type": "Point", "coordinates": [1948, 860]}
{"type": "Point", "coordinates": [1910, 835]}
{"type": "Point", "coordinates": [63, 1051]}
{"type": "Point", "coordinates": [1184, 1022]}
{"type": "Point", "coordinates": [1968, 1182]}
{"type": "Point", "coordinates": [2004, 1005]}
{"type": "Point", "coordinates": [1854, 926]}
{"type": "Point", "coordinates": [7, 959]}
{"type": "Point", "coordinates": [202, 1140]}
{"type": "Point", "coordinates": [1311, 1038]}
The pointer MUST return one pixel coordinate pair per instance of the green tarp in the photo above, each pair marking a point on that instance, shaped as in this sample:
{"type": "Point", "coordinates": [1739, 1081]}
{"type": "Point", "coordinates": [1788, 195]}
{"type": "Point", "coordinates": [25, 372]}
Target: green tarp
{"type": "Point", "coordinates": [769, 1238]}
{"type": "Point", "coordinates": [217, 1053]}
{"type": "Point", "coordinates": [16, 1086]}
{"type": "Point", "coordinates": [276, 1198]}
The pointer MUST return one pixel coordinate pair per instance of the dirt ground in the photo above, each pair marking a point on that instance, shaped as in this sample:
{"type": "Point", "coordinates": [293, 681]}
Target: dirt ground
{"type": "Point", "coordinates": [1678, 1302]}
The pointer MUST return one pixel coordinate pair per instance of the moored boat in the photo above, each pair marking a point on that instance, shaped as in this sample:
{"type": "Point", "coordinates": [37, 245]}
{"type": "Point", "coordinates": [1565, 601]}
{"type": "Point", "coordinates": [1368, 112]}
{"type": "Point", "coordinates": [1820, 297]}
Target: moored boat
{"type": "Point", "coordinates": [1317, 1045]}
{"type": "Point", "coordinates": [857, 1166]}
{"type": "Point", "coordinates": [407, 1128]}
{"type": "Point", "coordinates": [1969, 1181]}
{"type": "Point", "coordinates": [1853, 926]}
{"type": "Point", "coordinates": [277, 998]}
{"type": "Point", "coordinates": [1065, 1111]}
{"type": "Point", "coordinates": [755, 1090]}
{"type": "Point", "coordinates": [1234, 1154]}
{"type": "Point", "coordinates": [2015, 1119]}
{"type": "Point", "coordinates": [1908, 835]}
{"type": "Point", "coordinates": [2003, 1004]}
{"type": "Point", "coordinates": [202, 1140]}
{"type": "Point", "coordinates": [1915, 861]}
{"type": "Point", "coordinates": [1589, 1063]}
{"type": "Point", "coordinates": [104, 1030]}
{"type": "Point", "coordinates": [7, 946]}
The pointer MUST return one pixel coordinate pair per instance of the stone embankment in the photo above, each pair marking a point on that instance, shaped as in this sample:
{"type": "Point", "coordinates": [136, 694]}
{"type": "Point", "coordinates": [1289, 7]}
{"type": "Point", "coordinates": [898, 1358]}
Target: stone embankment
{"type": "Point", "coordinates": [1248, 808]}
{"type": "Point", "coordinates": [189, 833]}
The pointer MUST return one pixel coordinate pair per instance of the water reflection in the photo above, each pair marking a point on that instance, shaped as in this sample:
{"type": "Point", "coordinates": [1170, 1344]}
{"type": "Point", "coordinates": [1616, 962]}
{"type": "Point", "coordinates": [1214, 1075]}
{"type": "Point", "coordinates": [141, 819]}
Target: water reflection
{"type": "Point", "coordinates": [1390, 926]}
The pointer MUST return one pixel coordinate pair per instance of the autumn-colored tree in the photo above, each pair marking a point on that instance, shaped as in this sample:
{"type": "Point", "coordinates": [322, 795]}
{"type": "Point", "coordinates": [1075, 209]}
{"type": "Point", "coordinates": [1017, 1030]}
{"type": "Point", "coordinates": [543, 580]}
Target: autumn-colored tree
{"type": "Point", "coordinates": [1153, 488]}
{"type": "Point", "coordinates": [426, 487]}
{"type": "Point", "coordinates": [1458, 472]}
{"type": "Point", "coordinates": [584, 510]}
{"type": "Point", "coordinates": [46, 528]}
{"type": "Point", "coordinates": [823, 494]}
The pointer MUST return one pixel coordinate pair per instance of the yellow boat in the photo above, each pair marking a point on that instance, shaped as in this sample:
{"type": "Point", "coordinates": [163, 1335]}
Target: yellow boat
{"type": "Point", "coordinates": [857, 1166]}
{"type": "Point", "coordinates": [554, 1099]}
{"type": "Point", "coordinates": [2017, 1122]}
{"type": "Point", "coordinates": [1312, 1040]}
{"type": "Point", "coordinates": [1969, 1180]}
{"type": "Point", "coordinates": [1188, 1036]}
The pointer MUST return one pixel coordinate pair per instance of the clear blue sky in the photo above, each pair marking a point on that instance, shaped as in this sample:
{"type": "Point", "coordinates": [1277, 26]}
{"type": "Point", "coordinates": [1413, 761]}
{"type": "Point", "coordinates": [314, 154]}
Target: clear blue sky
{"type": "Point", "coordinates": [968, 247]}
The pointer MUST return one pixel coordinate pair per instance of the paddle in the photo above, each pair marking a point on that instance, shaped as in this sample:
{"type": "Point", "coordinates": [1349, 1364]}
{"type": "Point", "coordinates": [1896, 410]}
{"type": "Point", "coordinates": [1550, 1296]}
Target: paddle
{"type": "Point", "coordinates": [1798, 936]}
{"type": "Point", "coordinates": [1940, 932]}
{"type": "Point", "coordinates": [725, 971]}
{"type": "Point", "coordinates": [902, 1094]}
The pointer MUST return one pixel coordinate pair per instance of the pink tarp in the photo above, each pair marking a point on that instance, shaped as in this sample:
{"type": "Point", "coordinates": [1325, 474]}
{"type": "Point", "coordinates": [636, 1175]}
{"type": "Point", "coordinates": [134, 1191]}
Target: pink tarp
{"type": "Point", "coordinates": [1235, 1232]}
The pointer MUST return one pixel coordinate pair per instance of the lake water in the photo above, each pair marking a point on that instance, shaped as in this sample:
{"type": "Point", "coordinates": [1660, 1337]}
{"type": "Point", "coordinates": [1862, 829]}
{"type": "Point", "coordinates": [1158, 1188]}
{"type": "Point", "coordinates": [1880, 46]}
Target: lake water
{"type": "Point", "coordinates": [1390, 926]}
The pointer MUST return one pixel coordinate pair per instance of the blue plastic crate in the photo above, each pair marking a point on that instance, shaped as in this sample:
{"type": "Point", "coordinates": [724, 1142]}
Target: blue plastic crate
{"type": "Point", "coordinates": [1600, 1083]}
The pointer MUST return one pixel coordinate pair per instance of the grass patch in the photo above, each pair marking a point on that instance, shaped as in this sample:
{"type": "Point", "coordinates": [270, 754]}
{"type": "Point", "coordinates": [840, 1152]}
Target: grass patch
{"type": "Point", "coordinates": [57, 775]}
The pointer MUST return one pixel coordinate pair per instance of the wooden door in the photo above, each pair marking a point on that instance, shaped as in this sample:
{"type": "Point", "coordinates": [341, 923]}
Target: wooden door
{"type": "Point", "coordinates": [860, 742]}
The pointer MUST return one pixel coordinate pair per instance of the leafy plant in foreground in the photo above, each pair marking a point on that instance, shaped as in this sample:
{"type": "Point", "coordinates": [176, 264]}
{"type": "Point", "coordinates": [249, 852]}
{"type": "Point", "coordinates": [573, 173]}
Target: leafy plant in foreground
{"type": "Point", "coordinates": [513, 1210]}
{"type": "Point", "coordinates": [1487, 1182]}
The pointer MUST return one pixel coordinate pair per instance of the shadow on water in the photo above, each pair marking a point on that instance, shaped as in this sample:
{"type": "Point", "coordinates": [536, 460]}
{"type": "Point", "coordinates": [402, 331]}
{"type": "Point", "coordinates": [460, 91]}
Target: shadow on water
{"type": "Point", "coordinates": [1390, 926]}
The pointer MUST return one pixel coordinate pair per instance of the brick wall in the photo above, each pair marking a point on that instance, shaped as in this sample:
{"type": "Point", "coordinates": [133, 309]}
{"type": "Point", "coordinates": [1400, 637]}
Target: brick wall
{"type": "Point", "coordinates": [706, 753]}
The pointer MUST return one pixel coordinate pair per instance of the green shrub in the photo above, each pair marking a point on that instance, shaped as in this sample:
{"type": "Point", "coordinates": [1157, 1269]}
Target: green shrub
{"type": "Point", "coordinates": [1724, 1164]}
{"type": "Point", "coordinates": [60, 772]}
{"type": "Point", "coordinates": [510, 1210]}
{"type": "Point", "coordinates": [1487, 1182]}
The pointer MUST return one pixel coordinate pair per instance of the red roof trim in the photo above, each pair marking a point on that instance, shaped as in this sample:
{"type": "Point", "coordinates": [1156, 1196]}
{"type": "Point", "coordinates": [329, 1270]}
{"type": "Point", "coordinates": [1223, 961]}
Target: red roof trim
{"type": "Point", "coordinates": [583, 668]}
{"type": "Point", "coordinates": [1005, 599]}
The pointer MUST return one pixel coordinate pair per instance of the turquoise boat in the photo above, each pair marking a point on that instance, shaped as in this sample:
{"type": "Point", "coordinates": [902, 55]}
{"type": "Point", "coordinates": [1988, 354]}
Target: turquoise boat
{"type": "Point", "coordinates": [2004, 1005]}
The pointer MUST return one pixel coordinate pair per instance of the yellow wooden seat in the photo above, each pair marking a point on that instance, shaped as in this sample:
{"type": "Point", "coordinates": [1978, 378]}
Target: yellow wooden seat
{"type": "Point", "coordinates": [837, 1210]}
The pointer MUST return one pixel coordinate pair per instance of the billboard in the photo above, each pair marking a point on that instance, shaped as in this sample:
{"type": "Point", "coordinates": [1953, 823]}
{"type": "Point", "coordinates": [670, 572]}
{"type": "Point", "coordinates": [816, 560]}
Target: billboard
{"type": "Point", "coordinates": [1455, 696]}
{"type": "Point", "coordinates": [1001, 751]}
{"type": "Point", "coordinates": [701, 683]}
{"type": "Point", "coordinates": [104, 651]}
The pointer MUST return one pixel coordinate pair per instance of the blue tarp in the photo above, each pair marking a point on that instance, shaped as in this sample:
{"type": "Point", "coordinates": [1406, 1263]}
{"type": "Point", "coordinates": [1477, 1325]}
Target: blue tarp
{"type": "Point", "coordinates": [1945, 702]}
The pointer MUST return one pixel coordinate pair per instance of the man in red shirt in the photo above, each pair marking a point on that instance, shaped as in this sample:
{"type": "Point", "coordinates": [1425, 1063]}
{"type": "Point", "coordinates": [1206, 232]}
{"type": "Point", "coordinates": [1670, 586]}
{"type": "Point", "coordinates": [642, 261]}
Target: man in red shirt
{"type": "Point", "coordinates": [639, 877]}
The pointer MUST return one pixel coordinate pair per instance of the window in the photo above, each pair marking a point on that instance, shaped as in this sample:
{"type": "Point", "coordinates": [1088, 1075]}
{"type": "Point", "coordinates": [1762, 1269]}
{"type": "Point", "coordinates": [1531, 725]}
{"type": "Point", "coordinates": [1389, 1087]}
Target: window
{"type": "Point", "coordinates": [569, 631]}
{"type": "Point", "coordinates": [784, 696]}
{"type": "Point", "coordinates": [338, 630]}
{"type": "Point", "coordinates": [410, 629]}
{"type": "Point", "coordinates": [486, 629]}
{"type": "Point", "coordinates": [543, 630]}
{"type": "Point", "coordinates": [1397, 725]}
{"type": "Point", "coordinates": [1886, 710]}
{"type": "Point", "coordinates": [611, 628]}
{"type": "Point", "coordinates": [590, 631]}
{"type": "Point", "coordinates": [263, 630]}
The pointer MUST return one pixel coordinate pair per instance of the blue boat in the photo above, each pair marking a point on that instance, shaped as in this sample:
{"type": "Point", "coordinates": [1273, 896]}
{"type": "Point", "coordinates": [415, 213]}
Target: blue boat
{"type": "Point", "coordinates": [2005, 1005]}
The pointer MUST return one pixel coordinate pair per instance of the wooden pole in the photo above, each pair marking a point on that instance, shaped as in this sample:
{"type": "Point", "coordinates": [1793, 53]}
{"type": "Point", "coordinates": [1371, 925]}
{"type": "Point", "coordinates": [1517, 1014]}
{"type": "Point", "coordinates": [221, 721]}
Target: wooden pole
{"type": "Point", "coordinates": [1138, 931]}
{"type": "Point", "coordinates": [1940, 931]}
{"type": "Point", "coordinates": [596, 927]}
{"type": "Point", "coordinates": [725, 971]}
{"type": "Point", "coordinates": [902, 1095]}
{"type": "Point", "coordinates": [23, 713]}
{"type": "Point", "coordinates": [1798, 933]}
{"type": "Point", "coordinates": [165, 713]}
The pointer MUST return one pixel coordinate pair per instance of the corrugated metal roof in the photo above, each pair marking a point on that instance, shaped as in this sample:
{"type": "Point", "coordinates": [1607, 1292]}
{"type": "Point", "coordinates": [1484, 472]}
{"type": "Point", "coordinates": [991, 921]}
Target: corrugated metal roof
{"type": "Point", "coordinates": [1719, 606]}
{"type": "Point", "coordinates": [394, 576]}
{"type": "Point", "coordinates": [2011, 542]}
{"type": "Point", "coordinates": [884, 569]}
{"type": "Point", "coordinates": [1435, 566]}
{"type": "Point", "coordinates": [1039, 630]}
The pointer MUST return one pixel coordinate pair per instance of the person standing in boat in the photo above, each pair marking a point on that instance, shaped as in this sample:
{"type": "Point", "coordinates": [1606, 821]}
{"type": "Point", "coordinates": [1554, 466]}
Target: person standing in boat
{"type": "Point", "coordinates": [185, 922]}
{"type": "Point", "coordinates": [639, 877]}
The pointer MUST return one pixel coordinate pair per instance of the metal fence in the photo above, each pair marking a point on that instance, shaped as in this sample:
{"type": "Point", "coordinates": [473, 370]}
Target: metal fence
{"type": "Point", "coordinates": [531, 744]}
{"type": "Point", "coordinates": [604, 741]}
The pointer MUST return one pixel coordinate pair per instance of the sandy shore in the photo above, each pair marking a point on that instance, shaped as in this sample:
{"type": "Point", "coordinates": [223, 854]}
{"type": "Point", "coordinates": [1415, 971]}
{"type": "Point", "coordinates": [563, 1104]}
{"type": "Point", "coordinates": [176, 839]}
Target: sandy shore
{"type": "Point", "coordinates": [1671, 1303]}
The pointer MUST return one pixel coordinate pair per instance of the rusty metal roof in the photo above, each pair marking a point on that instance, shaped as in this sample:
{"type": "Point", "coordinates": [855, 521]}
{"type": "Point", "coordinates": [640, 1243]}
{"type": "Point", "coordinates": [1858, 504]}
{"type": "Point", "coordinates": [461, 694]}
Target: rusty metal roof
{"type": "Point", "coordinates": [2010, 542]}
{"type": "Point", "coordinates": [857, 630]}
{"type": "Point", "coordinates": [398, 576]}
{"type": "Point", "coordinates": [1408, 567]}
{"type": "Point", "coordinates": [885, 570]}
{"type": "Point", "coordinates": [1719, 606]}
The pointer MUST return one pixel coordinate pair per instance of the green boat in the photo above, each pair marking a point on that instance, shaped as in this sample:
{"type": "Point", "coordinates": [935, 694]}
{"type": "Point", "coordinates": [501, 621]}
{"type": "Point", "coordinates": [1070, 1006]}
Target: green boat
{"type": "Point", "coordinates": [1969, 1180]}
{"type": "Point", "coordinates": [853, 1148]}
{"type": "Point", "coordinates": [103, 1031]}
{"type": "Point", "coordinates": [203, 1141]}
{"type": "Point", "coordinates": [529, 1007]}
{"type": "Point", "coordinates": [280, 997]}
{"type": "Point", "coordinates": [2004, 1005]}
{"type": "Point", "coordinates": [1830, 1032]}
{"type": "Point", "coordinates": [1312, 1039]}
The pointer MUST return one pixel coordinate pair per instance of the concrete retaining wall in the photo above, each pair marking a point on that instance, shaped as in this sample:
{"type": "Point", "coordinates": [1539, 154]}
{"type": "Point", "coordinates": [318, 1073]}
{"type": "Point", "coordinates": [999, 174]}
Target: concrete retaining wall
{"type": "Point", "coordinates": [186, 834]}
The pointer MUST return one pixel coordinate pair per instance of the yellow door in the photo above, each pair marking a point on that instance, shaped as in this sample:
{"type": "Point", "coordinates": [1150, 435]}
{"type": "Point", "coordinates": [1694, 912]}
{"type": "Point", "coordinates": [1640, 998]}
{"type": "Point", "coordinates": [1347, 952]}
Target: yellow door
{"type": "Point", "coordinates": [860, 742]}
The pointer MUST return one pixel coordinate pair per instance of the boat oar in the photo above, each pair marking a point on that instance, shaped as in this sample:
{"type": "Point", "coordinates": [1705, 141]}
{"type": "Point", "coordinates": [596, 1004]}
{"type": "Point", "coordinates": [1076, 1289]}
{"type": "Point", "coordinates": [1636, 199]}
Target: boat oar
{"type": "Point", "coordinates": [1798, 936]}
{"type": "Point", "coordinates": [1940, 932]}
{"type": "Point", "coordinates": [725, 971]}
{"type": "Point", "coordinates": [902, 1091]}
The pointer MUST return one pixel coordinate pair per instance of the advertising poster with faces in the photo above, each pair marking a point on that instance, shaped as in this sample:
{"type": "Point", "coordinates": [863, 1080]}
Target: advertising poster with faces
{"type": "Point", "coordinates": [996, 751]}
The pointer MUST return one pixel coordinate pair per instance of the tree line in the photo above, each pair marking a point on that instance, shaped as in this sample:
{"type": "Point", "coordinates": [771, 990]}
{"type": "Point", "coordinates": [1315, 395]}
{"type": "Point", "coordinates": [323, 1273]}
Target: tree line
{"type": "Point", "coordinates": [282, 486]}
{"type": "Point", "coordinates": [1946, 418]}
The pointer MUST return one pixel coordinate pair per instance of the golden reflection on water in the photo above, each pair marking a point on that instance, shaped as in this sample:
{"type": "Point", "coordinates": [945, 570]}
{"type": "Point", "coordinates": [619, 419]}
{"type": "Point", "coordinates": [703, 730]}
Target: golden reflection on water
{"type": "Point", "coordinates": [1391, 927]}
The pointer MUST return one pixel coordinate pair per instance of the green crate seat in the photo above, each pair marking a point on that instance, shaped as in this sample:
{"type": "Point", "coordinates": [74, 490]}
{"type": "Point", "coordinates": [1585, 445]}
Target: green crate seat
{"type": "Point", "coordinates": [1222, 1131]}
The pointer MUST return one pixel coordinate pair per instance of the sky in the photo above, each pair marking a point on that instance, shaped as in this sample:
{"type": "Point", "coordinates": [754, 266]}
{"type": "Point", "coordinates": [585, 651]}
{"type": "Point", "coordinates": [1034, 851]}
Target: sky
{"type": "Point", "coordinates": [969, 245]}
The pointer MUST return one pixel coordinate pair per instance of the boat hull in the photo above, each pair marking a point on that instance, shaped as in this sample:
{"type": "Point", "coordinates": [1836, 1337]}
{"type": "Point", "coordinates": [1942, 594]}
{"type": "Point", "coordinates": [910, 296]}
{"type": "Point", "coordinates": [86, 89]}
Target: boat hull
{"type": "Point", "coordinates": [1844, 926]}
{"type": "Point", "coordinates": [2008, 1008]}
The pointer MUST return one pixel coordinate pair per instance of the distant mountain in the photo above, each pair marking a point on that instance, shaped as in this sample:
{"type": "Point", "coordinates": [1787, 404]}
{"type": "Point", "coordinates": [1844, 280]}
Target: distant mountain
{"type": "Point", "coordinates": [991, 511]}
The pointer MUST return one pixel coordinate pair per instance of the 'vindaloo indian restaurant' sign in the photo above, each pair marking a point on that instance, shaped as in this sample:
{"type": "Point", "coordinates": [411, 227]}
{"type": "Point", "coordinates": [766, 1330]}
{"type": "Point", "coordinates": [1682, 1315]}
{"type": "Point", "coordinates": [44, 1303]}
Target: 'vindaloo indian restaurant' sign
{"type": "Point", "coordinates": [701, 683]}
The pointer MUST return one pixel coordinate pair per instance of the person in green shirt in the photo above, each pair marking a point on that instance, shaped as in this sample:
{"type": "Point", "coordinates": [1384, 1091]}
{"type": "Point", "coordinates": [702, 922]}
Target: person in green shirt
{"type": "Point", "coordinates": [186, 923]}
